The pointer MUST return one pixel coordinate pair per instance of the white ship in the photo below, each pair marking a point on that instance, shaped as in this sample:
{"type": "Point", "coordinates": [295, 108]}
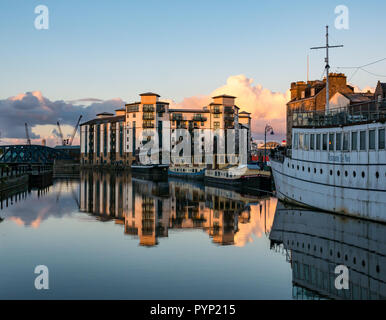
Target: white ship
{"type": "Point", "coordinates": [337, 161]}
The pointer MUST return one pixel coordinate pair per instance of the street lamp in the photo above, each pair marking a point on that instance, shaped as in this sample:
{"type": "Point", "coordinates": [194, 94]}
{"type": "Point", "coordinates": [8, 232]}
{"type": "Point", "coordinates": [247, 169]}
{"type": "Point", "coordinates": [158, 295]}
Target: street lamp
{"type": "Point", "coordinates": [269, 129]}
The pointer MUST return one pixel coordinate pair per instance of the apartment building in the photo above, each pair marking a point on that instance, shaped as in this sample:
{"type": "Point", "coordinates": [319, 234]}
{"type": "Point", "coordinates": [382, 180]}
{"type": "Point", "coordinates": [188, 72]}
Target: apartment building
{"type": "Point", "coordinates": [149, 131]}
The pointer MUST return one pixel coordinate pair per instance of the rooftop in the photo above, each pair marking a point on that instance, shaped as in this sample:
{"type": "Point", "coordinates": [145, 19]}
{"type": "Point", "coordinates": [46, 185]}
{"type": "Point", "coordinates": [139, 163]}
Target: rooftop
{"type": "Point", "coordinates": [149, 94]}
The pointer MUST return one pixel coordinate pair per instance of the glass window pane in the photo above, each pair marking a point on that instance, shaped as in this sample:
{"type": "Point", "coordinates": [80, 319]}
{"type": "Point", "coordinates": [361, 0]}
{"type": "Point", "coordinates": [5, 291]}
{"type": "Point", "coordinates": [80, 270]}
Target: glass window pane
{"type": "Point", "coordinates": [325, 141]}
{"type": "Point", "coordinates": [354, 141]}
{"type": "Point", "coordinates": [301, 141]}
{"type": "Point", "coordinates": [362, 140]}
{"type": "Point", "coordinates": [345, 141]}
{"type": "Point", "coordinates": [296, 141]}
{"type": "Point", "coordinates": [371, 139]}
{"type": "Point", "coordinates": [331, 141]}
{"type": "Point", "coordinates": [306, 141]}
{"type": "Point", "coordinates": [318, 142]}
{"type": "Point", "coordinates": [338, 145]}
{"type": "Point", "coordinates": [312, 143]}
{"type": "Point", "coordinates": [381, 139]}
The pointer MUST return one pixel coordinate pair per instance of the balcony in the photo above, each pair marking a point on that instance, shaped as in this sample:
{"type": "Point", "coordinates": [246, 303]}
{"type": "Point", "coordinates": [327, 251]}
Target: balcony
{"type": "Point", "coordinates": [148, 116]}
{"type": "Point", "coordinates": [216, 110]}
{"type": "Point", "coordinates": [228, 118]}
{"type": "Point", "coordinates": [160, 108]}
{"type": "Point", "coordinates": [148, 108]}
{"type": "Point", "coordinates": [177, 117]}
{"type": "Point", "coordinates": [147, 125]}
{"type": "Point", "coordinates": [228, 110]}
{"type": "Point", "coordinates": [134, 108]}
{"type": "Point", "coordinates": [198, 117]}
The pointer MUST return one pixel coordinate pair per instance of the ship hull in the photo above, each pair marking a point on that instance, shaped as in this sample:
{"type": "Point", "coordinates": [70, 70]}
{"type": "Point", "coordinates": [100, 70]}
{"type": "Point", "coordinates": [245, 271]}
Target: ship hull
{"type": "Point", "coordinates": [364, 203]}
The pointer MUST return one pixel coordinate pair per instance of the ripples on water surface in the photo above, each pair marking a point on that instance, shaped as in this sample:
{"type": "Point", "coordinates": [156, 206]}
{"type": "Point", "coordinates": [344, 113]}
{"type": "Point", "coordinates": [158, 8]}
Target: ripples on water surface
{"type": "Point", "coordinates": [111, 236]}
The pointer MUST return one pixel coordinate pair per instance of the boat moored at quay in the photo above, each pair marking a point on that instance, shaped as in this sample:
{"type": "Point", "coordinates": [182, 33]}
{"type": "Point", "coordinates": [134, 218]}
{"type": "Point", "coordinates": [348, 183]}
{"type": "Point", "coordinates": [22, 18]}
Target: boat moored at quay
{"type": "Point", "coordinates": [337, 162]}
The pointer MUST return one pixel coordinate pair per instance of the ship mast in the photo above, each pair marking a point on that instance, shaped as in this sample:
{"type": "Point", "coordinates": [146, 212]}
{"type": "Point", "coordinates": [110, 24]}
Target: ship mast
{"type": "Point", "coordinates": [327, 46]}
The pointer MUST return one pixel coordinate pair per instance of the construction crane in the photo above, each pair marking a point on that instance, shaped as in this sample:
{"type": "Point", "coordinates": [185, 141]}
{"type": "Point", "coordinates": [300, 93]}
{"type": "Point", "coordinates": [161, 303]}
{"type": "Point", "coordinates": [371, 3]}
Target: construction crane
{"type": "Point", "coordinates": [64, 142]}
{"type": "Point", "coordinates": [27, 134]}
{"type": "Point", "coordinates": [75, 129]}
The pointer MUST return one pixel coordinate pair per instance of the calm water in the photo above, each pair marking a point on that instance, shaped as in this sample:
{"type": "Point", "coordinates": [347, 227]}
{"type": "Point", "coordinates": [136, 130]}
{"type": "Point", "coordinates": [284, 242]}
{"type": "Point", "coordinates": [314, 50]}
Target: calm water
{"type": "Point", "coordinates": [111, 236]}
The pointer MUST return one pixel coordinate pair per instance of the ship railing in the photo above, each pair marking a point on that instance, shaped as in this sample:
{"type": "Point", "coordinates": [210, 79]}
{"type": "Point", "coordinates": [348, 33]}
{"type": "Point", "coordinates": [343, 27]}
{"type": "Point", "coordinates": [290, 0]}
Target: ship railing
{"type": "Point", "coordinates": [351, 114]}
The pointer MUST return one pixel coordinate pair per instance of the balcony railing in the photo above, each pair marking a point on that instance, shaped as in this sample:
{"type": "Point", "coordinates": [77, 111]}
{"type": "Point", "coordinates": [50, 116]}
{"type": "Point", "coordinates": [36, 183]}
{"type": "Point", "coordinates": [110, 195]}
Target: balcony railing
{"type": "Point", "coordinates": [177, 117]}
{"type": "Point", "coordinates": [216, 110]}
{"type": "Point", "coordinates": [199, 118]}
{"type": "Point", "coordinates": [355, 113]}
{"type": "Point", "coordinates": [148, 116]}
{"type": "Point", "coordinates": [134, 108]}
{"type": "Point", "coordinates": [160, 108]}
{"type": "Point", "coordinates": [228, 110]}
{"type": "Point", "coordinates": [148, 125]}
{"type": "Point", "coordinates": [228, 117]}
{"type": "Point", "coordinates": [148, 108]}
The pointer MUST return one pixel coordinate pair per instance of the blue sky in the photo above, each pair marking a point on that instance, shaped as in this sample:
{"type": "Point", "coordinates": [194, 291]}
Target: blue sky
{"type": "Point", "coordinates": [108, 49]}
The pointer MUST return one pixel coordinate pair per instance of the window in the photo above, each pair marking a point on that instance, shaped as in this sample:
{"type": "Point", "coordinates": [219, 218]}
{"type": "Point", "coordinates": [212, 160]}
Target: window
{"type": "Point", "coordinates": [301, 142]}
{"type": "Point", "coordinates": [338, 145]}
{"type": "Point", "coordinates": [318, 142]}
{"type": "Point", "coordinates": [345, 141]}
{"type": "Point", "coordinates": [381, 139]}
{"type": "Point", "coordinates": [331, 141]}
{"type": "Point", "coordinates": [216, 125]}
{"type": "Point", "coordinates": [371, 139]}
{"type": "Point", "coordinates": [325, 141]}
{"type": "Point", "coordinates": [354, 141]}
{"type": "Point", "coordinates": [306, 141]}
{"type": "Point", "coordinates": [296, 141]}
{"type": "Point", "coordinates": [312, 142]}
{"type": "Point", "coordinates": [362, 140]}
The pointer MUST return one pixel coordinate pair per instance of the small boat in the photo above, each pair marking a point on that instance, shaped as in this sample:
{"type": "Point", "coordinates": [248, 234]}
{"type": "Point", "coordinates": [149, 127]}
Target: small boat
{"type": "Point", "coordinates": [187, 172]}
{"type": "Point", "coordinates": [241, 176]}
{"type": "Point", "coordinates": [149, 168]}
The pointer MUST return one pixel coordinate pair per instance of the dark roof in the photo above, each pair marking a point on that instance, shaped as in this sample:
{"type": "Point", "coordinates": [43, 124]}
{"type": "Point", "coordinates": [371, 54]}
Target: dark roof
{"type": "Point", "coordinates": [104, 120]}
{"type": "Point", "coordinates": [383, 85]}
{"type": "Point", "coordinates": [224, 96]}
{"type": "Point", "coordinates": [105, 114]}
{"type": "Point", "coordinates": [130, 104]}
{"type": "Point", "coordinates": [189, 110]}
{"type": "Point", "coordinates": [122, 109]}
{"type": "Point", "coordinates": [244, 112]}
{"type": "Point", "coordinates": [358, 97]}
{"type": "Point", "coordinates": [162, 102]}
{"type": "Point", "coordinates": [149, 94]}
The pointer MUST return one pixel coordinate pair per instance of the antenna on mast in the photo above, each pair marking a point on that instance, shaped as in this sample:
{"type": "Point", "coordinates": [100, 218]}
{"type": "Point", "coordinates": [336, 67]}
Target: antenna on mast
{"type": "Point", "coordinates": [327, 46]}
{"type": "Point", "coordinates": [308, 68]}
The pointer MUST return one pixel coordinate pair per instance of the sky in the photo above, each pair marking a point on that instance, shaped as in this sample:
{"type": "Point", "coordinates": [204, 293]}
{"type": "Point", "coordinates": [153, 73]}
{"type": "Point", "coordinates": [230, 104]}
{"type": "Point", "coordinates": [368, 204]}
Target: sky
{"type": "Point", "coordinates": [183, 50]}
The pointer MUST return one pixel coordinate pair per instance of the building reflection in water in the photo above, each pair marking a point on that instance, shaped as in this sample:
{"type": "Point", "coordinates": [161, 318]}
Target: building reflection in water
{"type": "Point", "coordinates": [314, 243]}
{"type": "Point", "coordinates": [148, 209]}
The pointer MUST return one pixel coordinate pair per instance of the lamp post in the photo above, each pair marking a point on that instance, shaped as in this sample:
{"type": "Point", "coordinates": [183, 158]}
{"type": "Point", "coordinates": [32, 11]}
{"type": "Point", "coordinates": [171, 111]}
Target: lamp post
{"type": "Point", "coordinates": [269, 129]}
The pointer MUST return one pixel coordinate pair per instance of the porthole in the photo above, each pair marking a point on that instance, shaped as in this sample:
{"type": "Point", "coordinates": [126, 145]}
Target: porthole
{"type": "Point", "coordinates": [297, 167]}
{"type": "Point", "coordinates": [377, 174]}
{"type": "Point", "coordinates": [309, 170]}
{"type": "Point", "coordinates": [292, 166]}
{"type": "Point", "coordinates": [346, 173]}
{"type": "Point", "coordinates": [354, 174]}
{"type": "Point", "coordinates": [338, 255]}
{"type": "Point", "coordinates": [314, 248]}
{"type": "Point", "coordinates": [288, 164]}
{"type": "Point", "coordinates": [330, 172]}
{"type": "Point", "coordinates": [363, 263]}
{"type": "Point", "coordinates": [314, 170]}
{"type": "Point", "coordinates": [345, 257]}
{"type": "Point", "coordinates": [321, 171]}
{"type": "Point", "coordinates": [354, 260]}
{"type": "Point", "coordinates": [303, 168]}
{"type": "Point", "coordinates": [309, 246]}
{"type": "Point", "coordinates": [363, 174]}
{"type": "Point", "coordinates": [377, 268]}
{"type": "Point", "coordinates": [330, 252]}
{"type": "Point", "coordinates": [321, 250]}
{"type": "Point", "coordinates": [338, 173]}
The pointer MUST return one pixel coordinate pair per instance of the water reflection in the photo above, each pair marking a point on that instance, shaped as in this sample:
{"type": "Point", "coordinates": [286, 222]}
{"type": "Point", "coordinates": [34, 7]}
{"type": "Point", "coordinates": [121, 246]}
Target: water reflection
{"type": "Point", "coordinates": [149, 209]}
{"type": "Point", "coordinates": [28, 206]}
{"type": "Point", "coordinates": [314, 243]}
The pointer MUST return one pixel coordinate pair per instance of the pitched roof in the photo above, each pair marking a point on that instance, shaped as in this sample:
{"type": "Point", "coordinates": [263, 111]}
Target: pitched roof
{"type": "Point", "coordinates": [104, 120]}
{"type": "Point", "coordinates": [149, 94]}
{"type": "Point", "coordinates": [224, 96]}
{"type": "Point", "coordinates": [358, 97]}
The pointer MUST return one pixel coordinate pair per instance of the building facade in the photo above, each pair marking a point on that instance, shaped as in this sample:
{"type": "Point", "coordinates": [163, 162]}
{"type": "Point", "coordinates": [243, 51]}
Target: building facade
{"type": "Point", "coordinates": [120, 138]}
